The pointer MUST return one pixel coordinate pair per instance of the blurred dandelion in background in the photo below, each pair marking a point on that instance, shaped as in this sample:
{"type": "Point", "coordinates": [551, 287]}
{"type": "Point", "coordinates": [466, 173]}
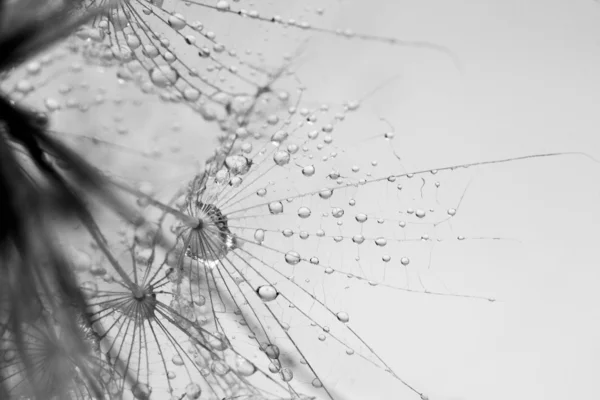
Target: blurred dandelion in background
{"type": "Point", "coordinates": [256, 217]}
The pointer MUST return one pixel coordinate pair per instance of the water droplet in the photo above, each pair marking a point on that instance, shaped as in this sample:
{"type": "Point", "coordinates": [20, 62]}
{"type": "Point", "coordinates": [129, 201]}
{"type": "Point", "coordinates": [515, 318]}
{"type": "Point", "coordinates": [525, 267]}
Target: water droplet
{"type": "Point", "coordinates": [276, 207]}
{"type": "Point", "coordinates": [193, 391]}
{"type": "Point", "coordinates": [219, 368]}
{"type": "Point", "coordinates": [286, 374]}
{"type": "Point", "coordinates": [292, 258]}
{"type": "Point", "coordinates": [279, 137]}
{"type": "Point", "coordinates": [325, 193]}
{"type": "Point", "coordinates": [244, 367]}
{"type": "Point", "coordinates": [259, 235]}
{"type": "Point", "coordinates": [358, 239]}
{"type": "Point", "coordinates": [163, 76]}
{"type": "Point", "coordinates": [177, 360]}
{"type": "Point", "coordinates": [380, 241]}
{"type": "Point", "coordinates": [272, 351]}
{"type": "Point", "coordinates": [317, 383]}
{"type": "Point", "coordinates": [177, 21]}
{"type": "Point", "coordinates": [451, 212]}
{"type": "Point", "coordinates": [337, 212]}
{"type": "Point", "coordinates": [223, 5]}
{"type": "Point", "coordinates": [267, 293]}
{"type": "Point", "coordinates": [405, 261]}
{"type": "Point", "coordinates": [141, 391]}
{"type": "Point", "coordinates": [343, 316]}
{"type": "Point", "coordinates": [420, 213]}
{"type": "Point", "coordinates": [287, 233]}
{"type": "Point", "coordinates": [308, 170]}
{"type": "Point", "coordinates": [304, 212]}
{"type": "Point", "coordinates": [281, 157]}
{"type": "Point", "coordinates": [361, 218]}
{"type": "Point", "coordinates": [238, 165]}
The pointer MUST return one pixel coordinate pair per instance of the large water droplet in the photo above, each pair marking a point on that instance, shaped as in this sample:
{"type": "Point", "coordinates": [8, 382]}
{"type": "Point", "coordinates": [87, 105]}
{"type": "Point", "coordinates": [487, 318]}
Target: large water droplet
{"type": "Point", "coordinates": [267, 293]}
{"type": "Point", "coordinates": [304, 212]}
{"type": "Point", "coordinates": [292, 258]}
{"type": "Point", "coordinates": [343, 316]}
{"type": "Point", "coordinates": [275, 207]}
{"type": "Point", "coordinates": [259, 235]}
{"type": "Point", "coordinates": [163, 76]}
{"type": "Point", "coordinates": [193, 391]}
{"type": "Point", "coordinates": [281, 157]}
{"type": "Point", "coordinates": [308, 170]}
{"type": "Point", "coordinates": [381, 241]}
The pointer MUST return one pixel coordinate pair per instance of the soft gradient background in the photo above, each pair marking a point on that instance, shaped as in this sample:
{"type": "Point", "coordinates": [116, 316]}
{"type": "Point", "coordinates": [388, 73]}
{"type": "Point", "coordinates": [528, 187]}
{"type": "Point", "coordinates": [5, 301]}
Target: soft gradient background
{"type": "Point", "coordinates": [528, 82]}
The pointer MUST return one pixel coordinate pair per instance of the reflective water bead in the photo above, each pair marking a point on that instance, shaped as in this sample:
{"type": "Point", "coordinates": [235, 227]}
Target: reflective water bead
{"type": "Point", "coordinates": [304, 212]}
{"type": "Point", "coordinates": [358, 239]}
{"type": "Point", "coordinates": [343, 316]}
{"type": "Point", "coordinates": [163, 76]}
{"type": "Point", "coordinates": [267, 293]}
{"type": "Point", "coordinates": [451, 212]}
{"type": "Point", "coordinates": [272, 351]}
{"type": "Point", "coordinates": [325, 193]}
{"type": "Point", "coordinates": [259, 235]}
{"type": "Point", "coordinates": [420, 213]}
{"type": "Point", "coordinates": [405, 261]}
{"type": "Point", "coordinates": [286, 374]}
{"type": "Point", "coordinates": [292, 258]}
{"type": "Point", "coordinates": [193, 391]}
{"type": "Point", "coordinates": [287, 233]}
{"type": "Point", "coordinates": [238, 164]}
{"type": "Point", "coordinates": [337, 212]}
{"type": "Point", "coordinates": [276, 207]}
{"type": "Point", "coordinates": [308, 170]}
{"type": "Point", "coordinates": [281, 157]}
{"type": "Point", "coordinates": [279, 137]}
{"type": "Point", "coordinates": [141, 391]}
{"type": "Point", "coordinates": [380, 241]}
{"type": "Point", "coordinates": [223, 5]}
{"type": "Point", "coordinates": [361, 218]}
{"type": "Point", "coordinates": [244, 367]}
{"type": "Point", "coordinates": [177, 21]}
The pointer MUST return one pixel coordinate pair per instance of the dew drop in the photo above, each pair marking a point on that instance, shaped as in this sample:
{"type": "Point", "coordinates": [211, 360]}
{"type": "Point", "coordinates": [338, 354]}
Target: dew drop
{"type": "Point", "coordinates": [163, 76]}
{"type": "Point", "coordinates": [420, 213]}
{"type": "Point", "coordinates": [193, 391]}
{"type": "Point", "coordinates": [325, 193]}
{"type": "Point", "coordinates": [223, 5]}
{"type": "Point", "coordinates": [342, 316]}
{"type": "Point", "coordinates": [405, 261]}
{"type": "Point", "coordinates": [308, 170]}
{"type": "Point", "coordinates": [141, 391]}
{"type": "Point", "coordinates": [292, 258]}
{"type": "Point", "coordinates": [272, 351]}
{"type": "Point", "coordinates": [361, 218]}
{"type": "Point", "coordinates": [267, 293]}
{"type": "Point", "coordinates": [381, 241]}
{"type": "Point", "coordinates": [337, 212]}
{"type": "Point", "coordinates": [177, 22]}
{"type": "Point", "coordinates": [286, 374]}
{"type": "Point", "coordinates": [281, 157]}
{"type": "Point", "coordinates": [259, 235]}
{"type": "Point", "coordinates": [244, 367]}
{"type": "Point", "coordinates": [275, 207]}
{"type": "Point", "coordinates": [304, 212]}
